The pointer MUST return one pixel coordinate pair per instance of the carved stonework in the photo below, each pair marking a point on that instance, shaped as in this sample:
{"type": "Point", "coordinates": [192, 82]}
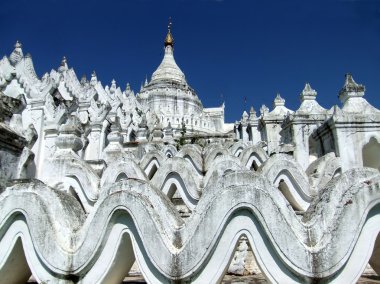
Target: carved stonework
{"type": "Point", "coordinates": [54, 113]}
{"type": "Point", "coordinates": [69, 137]}
{"type": "Point", "coordinates": [237, 266]}
{"type": "Point", "coordinates": [98, 111]}
{"type": "Point", "coordinates": [8, 106]}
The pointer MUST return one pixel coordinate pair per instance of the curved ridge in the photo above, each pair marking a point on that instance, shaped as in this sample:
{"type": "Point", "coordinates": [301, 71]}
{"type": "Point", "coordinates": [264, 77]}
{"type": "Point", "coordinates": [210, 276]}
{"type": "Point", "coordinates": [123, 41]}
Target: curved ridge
{"type": "Point", "coordinates": [67, 169]}
{"type": "Point", "coordinates": [193, 155]}
{"type": "Point", "coordinates": [322, 170]}
{"type": "Point", "coordinates": [181, 173]}
{"type": "Point", "coordinates": [253, 154]}
{"type": "Point", "coordinates": [125, 166]}
{"type": "Point", "coordinates": [237, 148]}
{"type": "Point", "coordinates": [151, 158]}
{"type": "Point", "coordinates": [238, 203]}
{"type": "Point", "coordinates": [212, 154]}
{"type": "Point", "coordinates": [287, 175]}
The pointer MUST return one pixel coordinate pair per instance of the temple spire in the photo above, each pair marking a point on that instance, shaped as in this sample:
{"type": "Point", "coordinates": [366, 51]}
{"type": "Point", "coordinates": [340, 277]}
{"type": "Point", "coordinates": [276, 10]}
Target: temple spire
{"type": "Point", "coordinates": [168, 69]}
{"type": "Point", "coordinates": [169, 38]}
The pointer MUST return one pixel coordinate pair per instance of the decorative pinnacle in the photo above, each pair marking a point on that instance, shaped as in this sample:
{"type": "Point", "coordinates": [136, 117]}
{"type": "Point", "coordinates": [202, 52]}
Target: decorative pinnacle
{"type": "Point", "coordinates": [252, 112]}
{"type": "Point", "coordinates": [18, 44]}
{"type": "Point", "coordinates": [94, 79]}
{"type": "Point", "coordinates": [351, 86]}
{"type": "Point", "coordinates": [350, 89]}
{"type": "Point", "coordinates": [83, 79]}
{"type": "Point", "coordinates": [278, 101]}
{"type": "Point", "coordinates": [64, 61]}
{"type": "Point", "coordinates": [308, 93]}
{"type": "Point", "coordinates": [169, 38]}
{"type": "Point", "coordinates": [64, 66]}
{"type": "Point", "coordinates": [16, 54]}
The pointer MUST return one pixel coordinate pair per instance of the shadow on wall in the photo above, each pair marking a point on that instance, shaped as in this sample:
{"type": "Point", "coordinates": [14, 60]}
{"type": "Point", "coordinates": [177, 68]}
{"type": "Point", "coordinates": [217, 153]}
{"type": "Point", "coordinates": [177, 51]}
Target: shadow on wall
{"type": "Point", "coordinates": [371, 154]}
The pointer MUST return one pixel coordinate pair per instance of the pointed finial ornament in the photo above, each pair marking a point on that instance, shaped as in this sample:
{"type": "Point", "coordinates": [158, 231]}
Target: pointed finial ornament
{"type": "Point", "coordinates": [308, 93]}
{"type": "Point", "coordinates": [169, 38]}
{"type": "Point", "coordinates": [278, 101]}
{"type": "Point", "coordinates": [94, 79]}
{"type": "Point", "coordinates": [252, 113]}
{"type": "Point", "coordinates": [17, 53]}
{"type": "Point", "coordinates": [84, 79]}
{"type": "Point", "coordinates": [113, 86]}
{"type": "Point", "coordinates": [18, 44]}
{"type": "Point", "coordinates": [350, 89]}
{"type": "Point", "coordinates": [64, 66]}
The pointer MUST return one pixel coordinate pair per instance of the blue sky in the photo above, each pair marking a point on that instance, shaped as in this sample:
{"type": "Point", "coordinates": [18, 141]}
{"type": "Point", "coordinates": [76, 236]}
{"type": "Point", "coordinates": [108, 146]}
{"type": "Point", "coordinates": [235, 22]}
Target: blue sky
{"type": "Point", "coordinates": [228, 49]}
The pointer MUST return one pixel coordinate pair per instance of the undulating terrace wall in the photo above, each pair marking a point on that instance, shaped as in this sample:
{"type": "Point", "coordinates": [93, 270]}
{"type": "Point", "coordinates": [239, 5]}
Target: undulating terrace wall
{"type": "Point", "coordinates": [132, 220]}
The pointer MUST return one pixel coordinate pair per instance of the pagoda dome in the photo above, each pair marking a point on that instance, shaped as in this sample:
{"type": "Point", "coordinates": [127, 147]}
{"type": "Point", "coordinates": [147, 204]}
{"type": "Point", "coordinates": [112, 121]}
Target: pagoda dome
{"type": "Point", "coordinates": [168, 71]}
{"type": "Point", "coordinates": [167, 93]}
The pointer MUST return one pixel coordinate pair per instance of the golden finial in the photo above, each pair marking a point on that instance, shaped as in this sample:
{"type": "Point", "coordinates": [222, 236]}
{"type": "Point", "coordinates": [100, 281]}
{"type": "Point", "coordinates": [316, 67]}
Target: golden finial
{"type": "Point", "coordinates": [169, 38]}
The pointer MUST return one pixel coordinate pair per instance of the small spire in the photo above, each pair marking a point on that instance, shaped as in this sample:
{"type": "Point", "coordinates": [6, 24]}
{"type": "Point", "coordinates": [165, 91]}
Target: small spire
{"type": "Point", "coordinates": [350, 89]}
{"type": "Point", "coordinates": [18, 44]}
{"type": "Point", "coordinates": [146, 80]}
{"type": "Point", "coordinates": [308, 93]}
{"type": "Point", "coordinates": [245, 116]}
{"type": "Point", "coordinates": [128, 87]}
{"type": "Point", "coordinates": [263, 110]}
{"type": "Point", "coordinates": [351, 85]}
{"type": "Point", "coordinates": [17, 53]}
{"type": "Point", "coordinates": [84, 79]}
{"type": "Point", "coordinates": [169, 38]}
{"type": "Point", "coordinates": [278, 101]}
{"type": "Point", "coordinates": [64, 66]}
{"type": "Point", "coordinates": [113, 86]}
{"type": "Point", "coordinates": [93, 79]}
{"type": "Point", "coordinates": [64, 61]}
{"type": "Point", "coordinates": [252, 113]}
